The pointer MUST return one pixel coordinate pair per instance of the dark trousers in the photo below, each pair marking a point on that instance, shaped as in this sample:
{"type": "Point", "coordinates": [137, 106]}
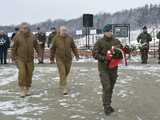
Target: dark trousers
{"type": "Point", "coordinates": [144, 56]}
{"type": "Point", "coordinates": [3, 55]}
{"type": "Point", "coordinates": [159, 53]}
{"type": "Point", "coordinates": [42, 48]}
{"type": "Point", "coordinates": [108, 80]}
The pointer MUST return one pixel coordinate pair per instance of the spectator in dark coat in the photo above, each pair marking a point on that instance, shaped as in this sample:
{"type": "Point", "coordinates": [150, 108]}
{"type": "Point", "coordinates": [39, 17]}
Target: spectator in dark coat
{"type": "Point", "coordinates": [4, 45]}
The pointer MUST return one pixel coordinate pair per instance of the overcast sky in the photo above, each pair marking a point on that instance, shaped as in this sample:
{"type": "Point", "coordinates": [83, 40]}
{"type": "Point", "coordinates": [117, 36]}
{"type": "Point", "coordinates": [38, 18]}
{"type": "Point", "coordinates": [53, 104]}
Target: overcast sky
{"type": "Point", "coordinates": [33, 11]}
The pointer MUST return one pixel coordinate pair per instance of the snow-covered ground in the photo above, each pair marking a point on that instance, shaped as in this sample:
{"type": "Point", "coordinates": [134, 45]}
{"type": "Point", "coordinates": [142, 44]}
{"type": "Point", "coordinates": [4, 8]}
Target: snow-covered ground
{"type": "Point", "coordinates": [136, 95]}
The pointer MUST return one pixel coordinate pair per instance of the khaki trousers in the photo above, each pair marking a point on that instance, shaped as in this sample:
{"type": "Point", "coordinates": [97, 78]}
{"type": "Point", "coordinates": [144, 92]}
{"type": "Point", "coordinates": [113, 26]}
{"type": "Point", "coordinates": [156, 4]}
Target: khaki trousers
{"type": "Point", "coordinates": [64, 69]}
{"type": "Point", "coordinates": [25, 73]}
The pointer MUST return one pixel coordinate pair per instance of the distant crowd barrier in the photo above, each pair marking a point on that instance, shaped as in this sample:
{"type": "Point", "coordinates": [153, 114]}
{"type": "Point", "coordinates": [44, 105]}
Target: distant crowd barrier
{"type": "Point", "coordinates": [87, 53]}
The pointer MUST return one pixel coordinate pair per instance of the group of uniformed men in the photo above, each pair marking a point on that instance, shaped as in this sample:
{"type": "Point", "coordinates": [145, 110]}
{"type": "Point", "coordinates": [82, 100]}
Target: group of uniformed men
{"type": "Point", "coordinates": [22, 51]}
{"type": "Point", "coordinates": [61, 47]}
{"type": "Point", "coordinates": [40, 36]}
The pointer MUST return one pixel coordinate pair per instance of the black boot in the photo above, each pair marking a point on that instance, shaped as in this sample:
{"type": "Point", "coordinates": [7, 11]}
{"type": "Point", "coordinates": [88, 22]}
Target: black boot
{"type": "Point", "coordinates": [40, 62]}
{"type": "Point", "coordinates": [109, 110]}
{"type": "Point", "coordinates": [1, 61]}
{"type": "Point", "coordinates": [145, 62]}
{"type": "Point", "coordinates": [5, 61]}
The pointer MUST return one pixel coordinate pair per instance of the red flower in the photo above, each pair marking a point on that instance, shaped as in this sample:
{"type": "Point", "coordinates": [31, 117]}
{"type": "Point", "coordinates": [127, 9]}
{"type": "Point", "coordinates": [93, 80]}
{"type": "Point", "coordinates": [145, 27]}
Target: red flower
{"type": "Point", "coordinates": [113, 61]}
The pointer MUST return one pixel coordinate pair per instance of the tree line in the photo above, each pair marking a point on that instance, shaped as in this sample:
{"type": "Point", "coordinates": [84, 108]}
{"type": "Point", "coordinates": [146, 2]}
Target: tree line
{"type": "Point", "coordinates": [147, 15]}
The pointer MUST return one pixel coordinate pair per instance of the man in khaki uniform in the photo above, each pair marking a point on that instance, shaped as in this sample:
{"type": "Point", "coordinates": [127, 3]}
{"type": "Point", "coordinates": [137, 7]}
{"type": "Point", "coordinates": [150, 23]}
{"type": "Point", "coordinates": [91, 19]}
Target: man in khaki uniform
{"type": "Point", "coordinates": [22, 50]}
{"type": "Point", "coordinates": [61, 49]}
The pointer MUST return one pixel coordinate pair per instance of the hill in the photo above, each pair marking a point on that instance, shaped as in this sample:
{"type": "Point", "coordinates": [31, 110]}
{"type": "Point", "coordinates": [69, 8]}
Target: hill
{"type": "Point", "coordinates": [147, 15]}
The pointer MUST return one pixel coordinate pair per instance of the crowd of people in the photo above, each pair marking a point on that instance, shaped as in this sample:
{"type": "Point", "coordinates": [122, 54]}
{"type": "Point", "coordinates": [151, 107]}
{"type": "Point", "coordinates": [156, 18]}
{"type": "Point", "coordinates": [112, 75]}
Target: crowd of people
{"type": "Point", "coordinates": [107, 51]}
{"type": "Point", "coordinates": [42, 39]}
{"type": "Point", "coordinates": [143, 39]}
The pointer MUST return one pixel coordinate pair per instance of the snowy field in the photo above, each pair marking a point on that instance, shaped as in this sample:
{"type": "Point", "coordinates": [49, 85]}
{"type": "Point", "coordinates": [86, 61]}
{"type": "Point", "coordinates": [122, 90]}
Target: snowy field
{"type": "Point", "coordinates": [136, 95]}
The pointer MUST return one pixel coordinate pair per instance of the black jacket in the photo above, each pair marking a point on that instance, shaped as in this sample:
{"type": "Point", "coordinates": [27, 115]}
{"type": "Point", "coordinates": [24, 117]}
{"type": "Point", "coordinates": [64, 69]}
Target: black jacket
{"type": "Point", "coordinates": [4, 41]}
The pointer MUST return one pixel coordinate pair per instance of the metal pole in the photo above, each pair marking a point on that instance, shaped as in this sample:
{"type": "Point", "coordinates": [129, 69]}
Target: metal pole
{"type": "Point", "coordinates": [154, 43]}
{"type": "Point", "coordinates": [86, 37]}
{"type": "Point", "coordinates": [129, 39]}
{"type": "Point", "coordinates": [159, 52]}
{"type": "Point", "coordinates": [129, 35]}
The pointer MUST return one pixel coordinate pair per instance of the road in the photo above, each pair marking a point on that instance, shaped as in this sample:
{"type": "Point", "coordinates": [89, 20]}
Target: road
{"type": "Point", "coordinates": [136, 95]}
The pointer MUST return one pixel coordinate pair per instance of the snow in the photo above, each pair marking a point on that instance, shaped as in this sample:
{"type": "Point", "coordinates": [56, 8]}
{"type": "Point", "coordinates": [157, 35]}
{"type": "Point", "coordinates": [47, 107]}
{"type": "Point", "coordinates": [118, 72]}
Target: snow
{"type": "Point", "coordinates": [77, 116]}
{"type": "Point", "coordinates": [136, 91]}
{"type": "Point", "coordinates": [10, 73]}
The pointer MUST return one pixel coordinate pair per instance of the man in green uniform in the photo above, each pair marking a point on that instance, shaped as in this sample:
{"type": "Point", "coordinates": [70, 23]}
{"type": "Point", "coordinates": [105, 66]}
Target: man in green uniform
{"type": "Point", "coordinates": [22, 50]}
{"type": "Point", "coordinates": [62, 47]}
{"type": "Point", "coordinates": [51, 36]}
{"type": "Point", "coordinates": [108, 76]}
{"type": "Point", "coordinates": [144, 38]}
{"type": "Point", "coordinates": [158, 37]}
{"type": "Point", "coordinates": [41, 39]}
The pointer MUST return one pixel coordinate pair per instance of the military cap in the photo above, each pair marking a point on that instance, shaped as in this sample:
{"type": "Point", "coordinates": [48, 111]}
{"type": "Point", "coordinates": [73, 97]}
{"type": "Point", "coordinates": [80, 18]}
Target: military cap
{"type": "Point", "coordinates": [107, 28]}
{"type": "Point", "coordinates": [144, 27]}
